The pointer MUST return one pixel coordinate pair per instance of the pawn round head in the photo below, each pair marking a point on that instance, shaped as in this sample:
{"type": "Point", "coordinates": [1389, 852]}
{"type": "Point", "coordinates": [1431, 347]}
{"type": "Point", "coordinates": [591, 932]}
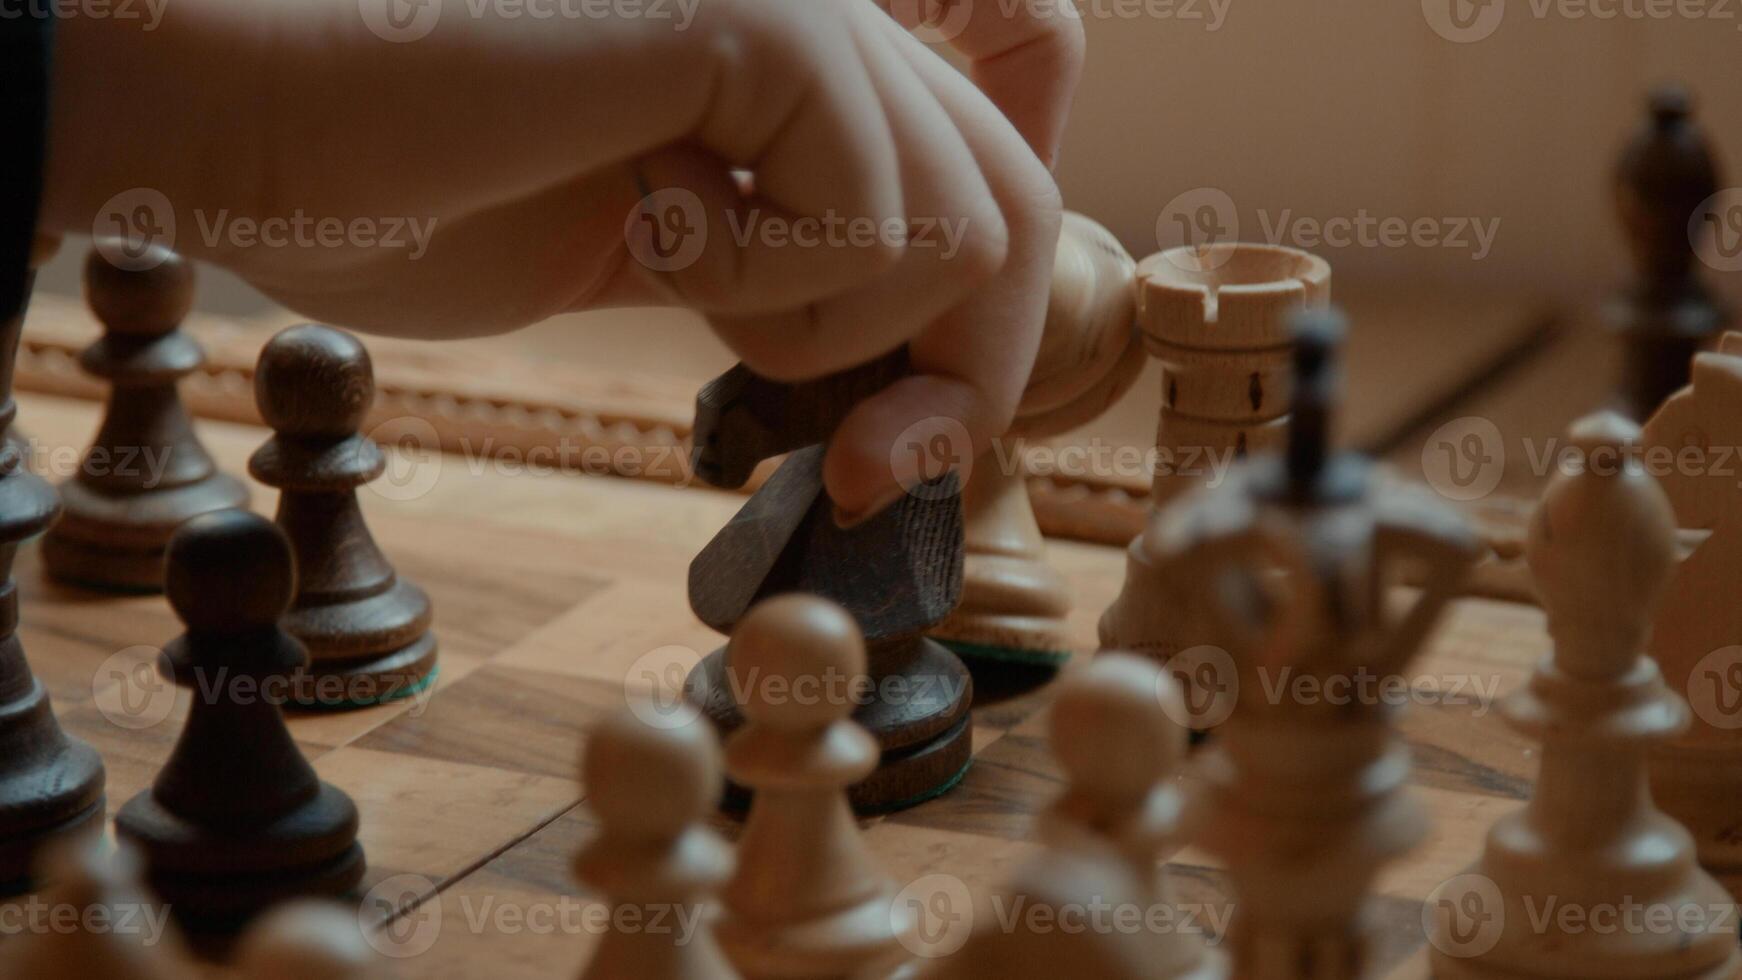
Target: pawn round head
{"type": "Point", "coordinates": [1112, 726]}
{"type": "Point", "coordinates": [314, 382]}
{"type": "Point", "coordinates": [229, 571]}
{"type": "Point", "coordinates": [149, 301]}
{"type": "Point", "coordinates": [306, 940]}
{"type": "Point", "coordinates": [649, 781]}
{"type": "Point", "coordinates": [798, 662]}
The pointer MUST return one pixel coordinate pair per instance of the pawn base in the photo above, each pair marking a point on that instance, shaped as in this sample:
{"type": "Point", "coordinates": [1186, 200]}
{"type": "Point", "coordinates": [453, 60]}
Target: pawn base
{"type": "Point", "coordinates": [116, 543]}
{"type": "Point", "coordinates": [861, 941]}
{"type": "Point", "coordinates": [327, 685]}
{"type": "Point", "coordinates": [215, 880]}
{"type": "Point", "coordinates": [366, 651]}
{"type": "Point", "coordinates": [918, 713]}
{"type": "Point", "coordinates": [106, 569]}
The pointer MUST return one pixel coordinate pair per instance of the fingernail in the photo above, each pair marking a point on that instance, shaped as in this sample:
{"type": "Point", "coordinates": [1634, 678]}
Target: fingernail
{"type": "Point", "coordinates": [846, 520]}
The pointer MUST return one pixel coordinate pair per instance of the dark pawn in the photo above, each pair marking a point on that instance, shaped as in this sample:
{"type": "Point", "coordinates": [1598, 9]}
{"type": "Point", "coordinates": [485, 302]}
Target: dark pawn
{"type": "Point", "coordinates": [367, 630]}
{"type": "Point", "coordinates": [237, 819]}
{"type": "Point", "coordinates": [145, 472]}
{"type": "Point", "coordinates": [51, 786]}
{"type": "Point", "coordinates": [1666, 172]}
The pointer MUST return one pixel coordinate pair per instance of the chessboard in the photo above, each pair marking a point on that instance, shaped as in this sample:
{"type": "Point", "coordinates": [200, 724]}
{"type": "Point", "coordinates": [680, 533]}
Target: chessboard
{"type": "Point", "coordinates": [557, 594]}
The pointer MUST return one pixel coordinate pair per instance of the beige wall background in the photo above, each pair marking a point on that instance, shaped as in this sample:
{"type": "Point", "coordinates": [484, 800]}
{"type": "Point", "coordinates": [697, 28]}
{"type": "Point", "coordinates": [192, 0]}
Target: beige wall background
{"type": "Point", "coordinates": [1329, 107]}
{"type": "Point", "coordinates": [1323, 109]}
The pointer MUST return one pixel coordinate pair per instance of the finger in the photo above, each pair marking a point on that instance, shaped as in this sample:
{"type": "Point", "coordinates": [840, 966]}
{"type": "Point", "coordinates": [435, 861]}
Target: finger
{"type": "Point", "coordinates": [798, 109]}
{"type": "Point", "coordinates": [1027, 57]}
{"type": "Point", "coordinates": [498, 269]}
{"type": "Point", "coordinates": [972, 363]}
{"type": "Point", "coordinates": [955, 239]}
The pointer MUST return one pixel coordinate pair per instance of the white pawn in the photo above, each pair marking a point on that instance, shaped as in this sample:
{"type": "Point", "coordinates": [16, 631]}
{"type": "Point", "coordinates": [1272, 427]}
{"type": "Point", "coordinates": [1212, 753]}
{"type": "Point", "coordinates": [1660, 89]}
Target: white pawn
{"type": "Point", "coordinates": [1590, 878]}
{"type": "Point", "coordinates": [1115, 729]}
{"type": "Point", "coordinates": [122, 933]}
{"type": "Point", "coordinates": [308, 940]}
{"type": "Point", "coordinates": [808, 901]}
{"type": "Point", "coordinates": [650, 788]}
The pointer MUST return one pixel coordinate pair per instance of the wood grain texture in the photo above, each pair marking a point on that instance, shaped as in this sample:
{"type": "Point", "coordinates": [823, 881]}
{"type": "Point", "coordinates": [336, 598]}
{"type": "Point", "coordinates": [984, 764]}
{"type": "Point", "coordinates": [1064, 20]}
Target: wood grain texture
{"type": "Point", "coordinates": [569, 594]}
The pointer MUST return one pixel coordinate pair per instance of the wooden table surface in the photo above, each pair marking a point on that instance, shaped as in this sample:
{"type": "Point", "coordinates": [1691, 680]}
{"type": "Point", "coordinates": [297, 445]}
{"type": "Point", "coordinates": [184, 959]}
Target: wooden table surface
{"type": "Point", "coordinates": [556, 592]}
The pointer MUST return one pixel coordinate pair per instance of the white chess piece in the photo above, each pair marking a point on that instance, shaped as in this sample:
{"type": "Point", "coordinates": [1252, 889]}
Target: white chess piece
{"type": "Point", "coordinates": [808, 901]}
{"type": "Point", "coordinates": [650, 787]}
{"type": "Point", "coordinates": [121, 933]}
{"type": "Point", "coordinates": [1590, 878]}
{"type": "Point", "coordinates": [1116, 729]}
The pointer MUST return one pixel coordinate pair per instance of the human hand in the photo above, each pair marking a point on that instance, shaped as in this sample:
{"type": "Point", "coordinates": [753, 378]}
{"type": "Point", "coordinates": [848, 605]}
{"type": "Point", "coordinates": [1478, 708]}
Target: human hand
{"type": "Point", "coordinates": [524, 145]}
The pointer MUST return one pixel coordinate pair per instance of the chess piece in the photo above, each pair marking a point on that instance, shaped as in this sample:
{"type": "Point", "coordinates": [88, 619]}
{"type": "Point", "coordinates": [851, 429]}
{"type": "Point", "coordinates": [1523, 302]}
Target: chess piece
{"type": "Point", "coordinates": [145, 472]}
{"type": "Point", "coordinates": [132, 940]}
{"type": "Point", "coordinates": [1696, 776]}
{"type": "Point", "coordinates": [1305, 788]}
{"type": "Point", "coordinates": [651, 787]}
{"type": "Point", "coordinates": [899, 573]}
{"type": "Point", "coordinates": [51, 786]}
{"type": "Point", "coordinates": [1115, 730]}
{"type": "Point", "coordinates": [1602, 549]}
{"type": "Point", "coordinates": [367, 628]}
{"type": "Point", "coordinates": [1014, 602]}
{"type": "Point", "coordinates": [808, 901]}
{"type": "Point", "coordinates": [307, 940]}
{"type": "Point", "coordinates": [1217, 319]}
{"type": "Point", "coordinates": [1667, 314]}
{"type": "Point", "coordinates": [237, 820]}
{"type": "Point", "coordinates": [1051, 888]}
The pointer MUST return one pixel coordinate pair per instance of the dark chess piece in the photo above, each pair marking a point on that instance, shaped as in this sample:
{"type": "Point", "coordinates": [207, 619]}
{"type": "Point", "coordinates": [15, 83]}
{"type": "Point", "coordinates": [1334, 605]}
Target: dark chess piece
{"type": "Point", "coordinates": [146, 472]}
{"type": "Point", "coordinates": [1667, 314]}
{"type": "Point", "coordinates": [51, 786]}
{"type": "Point", "coordinates": [899, 573]}
{"type": "Point", "coordinates": [366, 628]}
{"type": "Point", "coordinates": [237, 820]}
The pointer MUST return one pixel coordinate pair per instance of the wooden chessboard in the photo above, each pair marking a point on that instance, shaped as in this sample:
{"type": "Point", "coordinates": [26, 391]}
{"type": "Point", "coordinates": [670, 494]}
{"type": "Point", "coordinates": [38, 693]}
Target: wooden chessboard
{"type": "Point", "coordinates": [558, 589]}
{"type": "Point", "coordinates": [554, 593]}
